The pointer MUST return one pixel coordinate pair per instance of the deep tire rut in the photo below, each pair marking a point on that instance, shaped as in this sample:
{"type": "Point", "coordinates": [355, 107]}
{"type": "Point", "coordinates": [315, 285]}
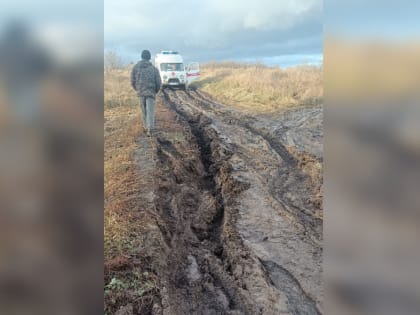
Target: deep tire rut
{"type": "Point", "coordinates": [190, 201]}
{"type": "Point", "coordinates": [303, 210]}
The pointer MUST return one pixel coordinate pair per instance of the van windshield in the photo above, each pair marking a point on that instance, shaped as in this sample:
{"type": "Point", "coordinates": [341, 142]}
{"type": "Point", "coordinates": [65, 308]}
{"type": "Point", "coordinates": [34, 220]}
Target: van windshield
{"type": "Point", "coordinates": [171, 67]}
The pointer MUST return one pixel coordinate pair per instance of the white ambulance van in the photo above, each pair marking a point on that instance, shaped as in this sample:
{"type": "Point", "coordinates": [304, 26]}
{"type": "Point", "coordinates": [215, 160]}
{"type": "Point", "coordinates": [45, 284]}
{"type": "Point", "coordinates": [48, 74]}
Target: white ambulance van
{"type": "Point", "coordinates": [172, 70]}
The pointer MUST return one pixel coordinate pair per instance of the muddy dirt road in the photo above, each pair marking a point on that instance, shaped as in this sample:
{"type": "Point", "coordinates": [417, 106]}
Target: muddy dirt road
{"type": "Point", "coordinates": [239, 200]}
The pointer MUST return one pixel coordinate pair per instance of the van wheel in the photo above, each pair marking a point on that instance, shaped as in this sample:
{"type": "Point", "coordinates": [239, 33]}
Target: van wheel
{"type": "Point", "coordinates": [182, 87]}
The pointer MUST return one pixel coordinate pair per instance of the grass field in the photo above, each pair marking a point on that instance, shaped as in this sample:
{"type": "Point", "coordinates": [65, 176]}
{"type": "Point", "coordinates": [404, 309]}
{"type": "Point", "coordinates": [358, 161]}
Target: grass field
{"type": "Point", "coordinates": [258, 87]}
{"type": "Point", "coordinates": [371, 70]}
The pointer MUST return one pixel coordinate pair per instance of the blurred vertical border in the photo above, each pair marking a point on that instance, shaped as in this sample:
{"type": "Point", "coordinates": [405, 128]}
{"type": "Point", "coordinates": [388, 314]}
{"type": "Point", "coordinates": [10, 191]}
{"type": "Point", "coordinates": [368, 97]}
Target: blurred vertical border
{"type": "Point", "coordinates": [372, 157]}
{"type": "Point", "coordinates": [51, 157]}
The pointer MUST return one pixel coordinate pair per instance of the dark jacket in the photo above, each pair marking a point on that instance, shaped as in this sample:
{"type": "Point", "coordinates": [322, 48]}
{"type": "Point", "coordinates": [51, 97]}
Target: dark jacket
{"type": "Point", "coordinates": [145, 79]}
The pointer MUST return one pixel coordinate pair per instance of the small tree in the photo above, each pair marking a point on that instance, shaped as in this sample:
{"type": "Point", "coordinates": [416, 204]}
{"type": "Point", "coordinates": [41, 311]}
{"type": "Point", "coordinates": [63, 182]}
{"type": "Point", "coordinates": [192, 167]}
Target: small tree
{"type": "Point", "coordinates": [112, 61]}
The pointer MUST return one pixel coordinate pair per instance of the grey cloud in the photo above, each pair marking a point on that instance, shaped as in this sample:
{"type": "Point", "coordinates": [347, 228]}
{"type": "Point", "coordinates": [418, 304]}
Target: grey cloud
{"type": "Point", "coordinates": [216, 29]}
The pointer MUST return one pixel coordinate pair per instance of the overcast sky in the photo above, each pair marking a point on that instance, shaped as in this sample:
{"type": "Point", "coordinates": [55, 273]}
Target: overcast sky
{"type": "Point", "coordinates": [283, 32]}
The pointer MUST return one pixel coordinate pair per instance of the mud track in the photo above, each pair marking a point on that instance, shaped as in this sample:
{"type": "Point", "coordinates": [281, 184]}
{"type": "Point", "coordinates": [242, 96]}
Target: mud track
{"type": "Point", "coordinates": [240, 213]}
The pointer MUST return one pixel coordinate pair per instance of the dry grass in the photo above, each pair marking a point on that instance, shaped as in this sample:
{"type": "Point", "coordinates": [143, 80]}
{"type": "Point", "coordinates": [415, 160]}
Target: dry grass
{"type": "Point", "coordinates": [368, 69]}
{"type": "Point", "coordinates": [255, 86]}
{"type": "Point", "coordinates": [129, 276]}
{"type": "Point", "coordinates": [122, 128]}
{"type": "Point", "coordinates": [117, 89]}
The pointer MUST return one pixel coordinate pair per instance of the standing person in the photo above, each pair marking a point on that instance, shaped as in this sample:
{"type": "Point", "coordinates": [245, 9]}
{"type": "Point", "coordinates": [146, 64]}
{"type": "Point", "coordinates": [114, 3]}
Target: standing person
{"type": "Point", "coordinates": [145, 79]}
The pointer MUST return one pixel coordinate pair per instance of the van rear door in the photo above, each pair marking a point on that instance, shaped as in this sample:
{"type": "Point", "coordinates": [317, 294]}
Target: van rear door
{"type": "Point", "coordinates": [193, 72]}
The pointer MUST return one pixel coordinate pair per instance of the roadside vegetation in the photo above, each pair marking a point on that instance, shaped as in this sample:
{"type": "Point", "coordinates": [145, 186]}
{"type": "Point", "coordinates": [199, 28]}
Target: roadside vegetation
{"type": "Point", "coordinates": [259, 87]}
{"type": "Point", "coordinates": [360, 70]}
{"type": "Point", "coordinates": [129, 279]}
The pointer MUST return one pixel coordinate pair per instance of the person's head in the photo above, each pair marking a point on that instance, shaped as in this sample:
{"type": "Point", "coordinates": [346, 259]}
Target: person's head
{"type": "Point", "coordinates": [145, 55]}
